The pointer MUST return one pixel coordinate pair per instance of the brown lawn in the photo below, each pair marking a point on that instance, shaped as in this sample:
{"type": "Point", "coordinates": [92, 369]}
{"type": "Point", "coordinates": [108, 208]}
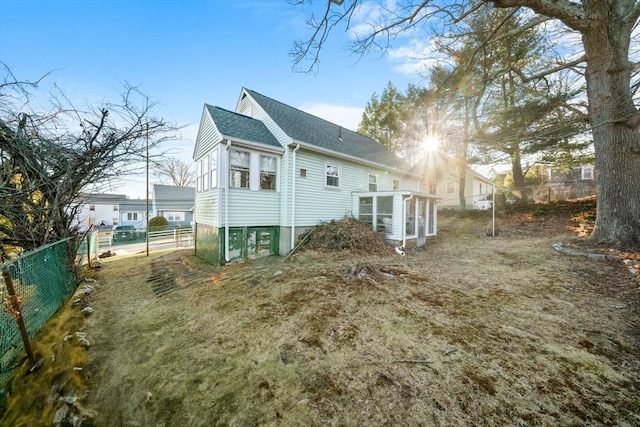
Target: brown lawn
{"type": "Point", "coordinates": [470, 330]}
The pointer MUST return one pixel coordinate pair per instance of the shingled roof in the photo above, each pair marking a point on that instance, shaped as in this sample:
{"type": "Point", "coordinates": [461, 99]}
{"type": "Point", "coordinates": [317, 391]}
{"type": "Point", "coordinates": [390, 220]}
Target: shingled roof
{"type": "Point", "coordinates": [242, 127]}
{"type": "Point", "coordinates": [309, 129]}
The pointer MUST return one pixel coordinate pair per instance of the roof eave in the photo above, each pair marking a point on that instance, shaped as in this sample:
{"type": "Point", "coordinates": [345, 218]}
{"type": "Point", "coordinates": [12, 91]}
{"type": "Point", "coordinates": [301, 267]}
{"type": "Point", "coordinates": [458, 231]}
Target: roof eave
{"type": "Point", "coordinates": [312, 147]}
{"type": "Point", "coordinates": [261, 145]}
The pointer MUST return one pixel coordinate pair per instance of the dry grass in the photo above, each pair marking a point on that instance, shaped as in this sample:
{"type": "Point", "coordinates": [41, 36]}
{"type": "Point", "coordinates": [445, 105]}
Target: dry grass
{"type": "Point", "coordinates": [467, 331]}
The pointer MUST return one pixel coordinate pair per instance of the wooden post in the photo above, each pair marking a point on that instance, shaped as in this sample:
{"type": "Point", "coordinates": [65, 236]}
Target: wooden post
{"type": "Point", "coordinates": [17, 314]}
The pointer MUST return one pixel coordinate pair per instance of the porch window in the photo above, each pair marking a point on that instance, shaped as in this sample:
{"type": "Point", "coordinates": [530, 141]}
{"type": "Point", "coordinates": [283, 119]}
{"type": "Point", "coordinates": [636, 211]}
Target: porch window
{"type": "Point", "coordinates": [213, 172]}
{"type": "Point", "coordinates": [205, 173]}
{"type": "Point", "coordinates": [377, 212]}
{"type": "Point", "coordinates": [366, 210]}
{"type": "Point", "coordinates": [239, 169]}
{"type": "Point", "coordinates": [384, 214]}
{"type": "Point", "coordinates": [411, 217]}
{"type": "Point", "coordinates": [373, 185]}
{"type": "Point", "coordinates": [267, 173]}
{"type": "Point", "coordinates": [332, 175]}
{"type": "Point", "coordinates": [132, 216]}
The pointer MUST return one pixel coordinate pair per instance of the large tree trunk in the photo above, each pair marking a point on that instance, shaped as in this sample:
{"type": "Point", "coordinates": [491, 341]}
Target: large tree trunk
{"type": "Point", "coordinates": [616, 137]}
{"type": "Point", "coordinates": [519, 186]}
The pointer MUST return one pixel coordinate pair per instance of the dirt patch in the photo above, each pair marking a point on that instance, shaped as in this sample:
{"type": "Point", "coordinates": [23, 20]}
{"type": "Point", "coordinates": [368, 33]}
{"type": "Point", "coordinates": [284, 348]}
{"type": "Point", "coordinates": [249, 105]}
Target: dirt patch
{"type": "Point", "coordinates": [469, 330]}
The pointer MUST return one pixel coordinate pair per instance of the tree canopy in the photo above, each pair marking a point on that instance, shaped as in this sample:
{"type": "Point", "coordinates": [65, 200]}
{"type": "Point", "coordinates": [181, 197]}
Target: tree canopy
{"type": "Point", "coordinates": [49, 159]}
{"type": "Point", "coordinates": [603, 56]}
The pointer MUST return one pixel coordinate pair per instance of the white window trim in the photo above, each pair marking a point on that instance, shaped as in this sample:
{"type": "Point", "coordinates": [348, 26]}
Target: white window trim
{"type": "Point", "coordinates": [248, 187]}
{"type": "Point", "coordinates": [275, 172]}
{"type": "Point", "coordinates": [375, 181]}
{"type": "Point", "coordinates": [339, 168]}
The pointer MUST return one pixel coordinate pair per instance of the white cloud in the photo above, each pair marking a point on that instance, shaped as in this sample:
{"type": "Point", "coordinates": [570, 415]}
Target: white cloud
{"type": "Point", "coordinates": [347, 117]}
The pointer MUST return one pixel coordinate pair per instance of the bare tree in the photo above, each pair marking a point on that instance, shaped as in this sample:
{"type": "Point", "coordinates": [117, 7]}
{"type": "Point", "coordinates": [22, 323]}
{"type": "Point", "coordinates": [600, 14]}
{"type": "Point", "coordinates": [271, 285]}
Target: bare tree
{"type": "Point", "coordinates": [178, 171]}
{"type": "Point", "coordinates": [49, 159]}
{"type": "Point", "coordinates": [605, 29]}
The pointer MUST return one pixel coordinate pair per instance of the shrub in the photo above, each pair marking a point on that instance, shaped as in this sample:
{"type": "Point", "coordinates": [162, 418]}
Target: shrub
{"type": "Point", "coordinates": [158, 223]}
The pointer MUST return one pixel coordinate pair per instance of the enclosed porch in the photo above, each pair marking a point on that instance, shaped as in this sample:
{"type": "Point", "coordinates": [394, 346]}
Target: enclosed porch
{"type": "Point", "coordinates": [405, 218]}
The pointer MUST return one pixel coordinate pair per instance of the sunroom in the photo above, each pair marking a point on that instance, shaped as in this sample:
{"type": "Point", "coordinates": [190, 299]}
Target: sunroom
{"type": "Point", "coordinates": [405, 218]}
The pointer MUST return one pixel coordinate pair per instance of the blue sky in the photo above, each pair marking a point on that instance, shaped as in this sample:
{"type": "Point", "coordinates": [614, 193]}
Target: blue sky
{"type": "Point", "coordinates": [186, 53]}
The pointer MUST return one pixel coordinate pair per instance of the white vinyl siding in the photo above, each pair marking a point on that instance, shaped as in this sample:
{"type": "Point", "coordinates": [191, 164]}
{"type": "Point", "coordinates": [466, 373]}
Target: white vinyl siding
{"type": "Point", "coordinates": [207, 208]}
{"type": "Point", "coordinates": [208, 136]}
{"type": "Point", "coordinates": [253, 208]}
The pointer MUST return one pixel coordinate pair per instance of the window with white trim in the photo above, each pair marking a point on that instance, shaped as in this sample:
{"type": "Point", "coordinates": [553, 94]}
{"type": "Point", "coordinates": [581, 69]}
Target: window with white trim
{"type": "Point", "coordinates": [174, 216]}
{"type": "Point", "coordinates": [132, 216]}
{"type": "Point", "coordinates": [239, 169]}
{"type": "Point", "coordinates": [373, 184]}
{"type": "Point", "coordinates": [587, 172]}
{"type": "Point", "coordinates": [268, 166]}
{"type": "Point", "coordinates": [205, 173]}
{"type": "Point", "coordinates": [213, 172]}
{"type": "Point", "coordinates": [451, 187]}
{"type": "Point", "coordinates": [332, 175]}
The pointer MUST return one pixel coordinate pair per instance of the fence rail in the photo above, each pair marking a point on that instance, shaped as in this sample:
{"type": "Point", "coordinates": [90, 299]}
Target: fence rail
{"type": "Point", "coordinates": [43, 280]}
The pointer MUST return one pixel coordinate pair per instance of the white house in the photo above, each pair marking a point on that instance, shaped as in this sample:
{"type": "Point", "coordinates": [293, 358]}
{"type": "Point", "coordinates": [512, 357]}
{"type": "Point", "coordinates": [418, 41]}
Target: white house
{"type": "Point", "coordinates": [268, 172]}
{"type": "Point", "coordinates": [444, 171]}
{"type": "Point", "coordinates": [99, 210]}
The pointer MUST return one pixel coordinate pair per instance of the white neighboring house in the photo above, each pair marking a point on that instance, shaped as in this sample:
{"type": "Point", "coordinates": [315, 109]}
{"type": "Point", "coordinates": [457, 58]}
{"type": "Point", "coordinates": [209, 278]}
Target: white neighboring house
{"type": "Point", "coordinates": [100, 210]}
{"type": "Point", "coordinates": [477, 187]}
{"type": "Point", "coordinates": [133, 212]}
{"type": "Point", "coordinates": [268, 172]}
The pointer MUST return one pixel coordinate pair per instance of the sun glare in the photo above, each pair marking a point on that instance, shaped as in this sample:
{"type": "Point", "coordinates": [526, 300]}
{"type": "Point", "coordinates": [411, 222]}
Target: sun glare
{"type": "Point", "coordinates": [430, 143]}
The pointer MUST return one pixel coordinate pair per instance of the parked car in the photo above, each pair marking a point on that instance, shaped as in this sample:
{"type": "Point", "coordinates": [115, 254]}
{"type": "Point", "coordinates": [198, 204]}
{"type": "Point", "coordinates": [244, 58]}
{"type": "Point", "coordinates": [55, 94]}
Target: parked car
{"type": "Point", "coordinates": [125, 232]}
{"type": "Point", "coordinates": [482, 204]}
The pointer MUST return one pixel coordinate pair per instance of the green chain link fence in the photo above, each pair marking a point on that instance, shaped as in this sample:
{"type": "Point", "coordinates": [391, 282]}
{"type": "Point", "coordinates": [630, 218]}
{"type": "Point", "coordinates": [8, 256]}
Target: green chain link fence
{"type": "Point", "coordinates": [44, 280]}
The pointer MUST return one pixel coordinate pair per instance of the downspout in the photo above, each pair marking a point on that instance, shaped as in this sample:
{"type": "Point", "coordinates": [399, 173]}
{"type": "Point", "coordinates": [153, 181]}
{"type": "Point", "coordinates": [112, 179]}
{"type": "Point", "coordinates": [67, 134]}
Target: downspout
{"type": "Point", "coordinates": [293, 197]}
{"type": "Point", "coordinates": [404, 222]}
{"type": "Point", "coordinates": [226, 204]}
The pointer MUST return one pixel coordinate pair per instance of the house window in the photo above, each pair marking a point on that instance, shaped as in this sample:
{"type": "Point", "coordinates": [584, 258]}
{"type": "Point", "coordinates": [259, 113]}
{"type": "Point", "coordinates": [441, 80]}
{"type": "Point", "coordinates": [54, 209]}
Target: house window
{"type": "Point", "coordinates": [451, 187]}
{"type": "Point", "coordinates": [92, 207]}
{"type": "Point", "coordinates": [267, 173]}
{"type": "Point", "coordinates": [332, 175]}
{"type": "Point", "coordinates": [480, 192]}
{"type": "Point", "coordinates": [115, 221]}
{"type": "Point", "coordinates": [239, 169]}
{"type": "Point", "coordinates": [395, 184]}
{"type": "Point", "coordinates": [115, 208]}
{"type": "Point", "coordinates": [199, 176]}
{"type": "Point", "coordinates": [373, 185]}
{"type": "Point", "coordinates": [303, 173]}
{"type": "Point", "coordinates": [587, 172]}
{"type": "Point", "coordinates": [132, 216]}
{"type": "Point", "coordinates": [174, 216]}
{"type": "Point", "coordinates": [205, 173]}
{"type": "Point", "coordinates": [214, 169]}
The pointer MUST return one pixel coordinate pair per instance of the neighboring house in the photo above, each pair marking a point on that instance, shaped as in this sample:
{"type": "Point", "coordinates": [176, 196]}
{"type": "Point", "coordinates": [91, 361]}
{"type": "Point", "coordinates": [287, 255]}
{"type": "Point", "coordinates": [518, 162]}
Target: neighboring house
{"type": "Point", "coordinates": [569, 183]}
{"type": "Point", "coordinates": [269, 172]}
{"type": "Point", "coordinates": [99, 210]}
{"type": "Point", "coordinates": [447, 177]}
{"type": "Point", "coordinates": [133, 212]}
{"type": "Point", "coordinates": [174, 203]}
